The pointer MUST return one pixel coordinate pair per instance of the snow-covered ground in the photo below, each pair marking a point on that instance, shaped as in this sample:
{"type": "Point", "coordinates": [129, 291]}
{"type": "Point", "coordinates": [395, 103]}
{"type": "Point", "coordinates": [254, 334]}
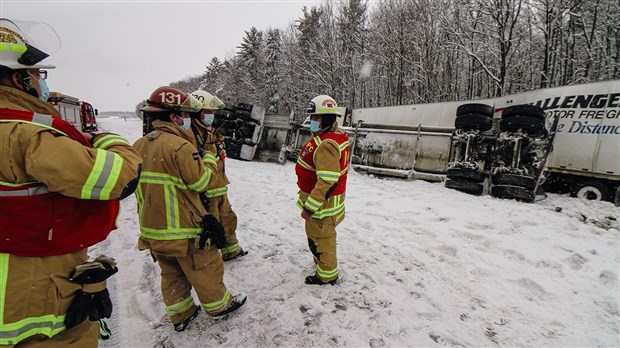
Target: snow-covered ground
{"type": "Point", "coordinates": [421, 265]}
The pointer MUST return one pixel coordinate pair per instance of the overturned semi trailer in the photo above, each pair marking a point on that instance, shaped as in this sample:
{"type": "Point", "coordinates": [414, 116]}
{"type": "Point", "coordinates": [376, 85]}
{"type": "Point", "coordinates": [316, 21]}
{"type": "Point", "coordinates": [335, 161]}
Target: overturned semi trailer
{"type": "Point", "coordinates": [409, 141]}
{"type": "Point", "coordinates": [414, 141]}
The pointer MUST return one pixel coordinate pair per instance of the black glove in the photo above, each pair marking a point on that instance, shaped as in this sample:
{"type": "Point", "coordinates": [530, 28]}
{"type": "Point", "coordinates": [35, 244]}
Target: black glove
{"type": "Point", "coordinates": [93, 301]}
{"type": "Point", "coordinates": [212, 232]}
{"type": "Point", "coordinates": [93, 306]}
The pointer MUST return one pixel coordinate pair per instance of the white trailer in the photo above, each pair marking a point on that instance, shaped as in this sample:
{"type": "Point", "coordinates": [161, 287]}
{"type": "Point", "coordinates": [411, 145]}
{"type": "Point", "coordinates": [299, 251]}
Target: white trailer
{"type": "Point", "coordinates": [414, 139]}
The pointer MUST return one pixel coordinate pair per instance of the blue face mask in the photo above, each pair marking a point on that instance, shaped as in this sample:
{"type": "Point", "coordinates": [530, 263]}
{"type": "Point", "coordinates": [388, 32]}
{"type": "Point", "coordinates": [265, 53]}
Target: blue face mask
{"type": "Point", "coordinates": [208, 119]}
{"type": "Point", "coordinates": [315, 126]}
{"type": "Point", "coordinates": [45, 91]}
{"type": "Point", "coordinates": [187, 122]}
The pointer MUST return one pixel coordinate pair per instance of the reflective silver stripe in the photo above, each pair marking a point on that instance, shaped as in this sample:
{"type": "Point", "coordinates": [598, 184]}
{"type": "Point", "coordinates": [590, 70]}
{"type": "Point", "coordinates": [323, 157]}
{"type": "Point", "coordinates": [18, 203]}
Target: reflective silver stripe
{"type": "Point", "coordinates": [45, 120]}
{"type": "Point", "coordinates": [31, 191]}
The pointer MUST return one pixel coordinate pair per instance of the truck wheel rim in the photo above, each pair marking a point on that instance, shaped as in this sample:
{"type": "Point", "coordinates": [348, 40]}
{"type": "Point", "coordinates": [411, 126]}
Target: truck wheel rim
{"type": "Point", "coordinates": [590, 193]}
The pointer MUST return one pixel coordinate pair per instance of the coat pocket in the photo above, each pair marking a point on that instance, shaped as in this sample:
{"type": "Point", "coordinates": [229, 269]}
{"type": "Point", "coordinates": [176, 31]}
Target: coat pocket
{"type": "Point", "coordinates": [60, 294]}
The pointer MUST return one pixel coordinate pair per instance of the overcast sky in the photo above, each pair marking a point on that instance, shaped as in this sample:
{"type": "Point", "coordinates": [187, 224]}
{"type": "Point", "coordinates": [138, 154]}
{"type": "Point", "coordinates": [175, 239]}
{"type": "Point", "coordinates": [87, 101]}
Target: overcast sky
{"type": "Point", "coordinates": [115, 53]}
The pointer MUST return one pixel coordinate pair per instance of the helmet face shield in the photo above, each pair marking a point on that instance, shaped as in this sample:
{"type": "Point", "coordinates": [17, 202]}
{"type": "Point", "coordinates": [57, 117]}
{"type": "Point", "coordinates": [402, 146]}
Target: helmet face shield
{"type": "Point", "coordinates": [24, 44]}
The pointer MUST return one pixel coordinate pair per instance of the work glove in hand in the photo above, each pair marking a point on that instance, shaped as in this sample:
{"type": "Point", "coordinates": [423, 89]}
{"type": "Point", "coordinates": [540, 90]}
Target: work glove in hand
{"type": "Point", "coordinates": [212, 232]}
{"type": "Point", "coordinates": [93, 301]}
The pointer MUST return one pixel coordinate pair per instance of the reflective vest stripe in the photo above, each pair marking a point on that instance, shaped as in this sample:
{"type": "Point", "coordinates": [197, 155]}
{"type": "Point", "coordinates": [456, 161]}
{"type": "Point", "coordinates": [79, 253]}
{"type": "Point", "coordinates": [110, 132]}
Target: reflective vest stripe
{"type": "Point", "coordinates": [180, 307]}
{"type": "Point", "coordinates": [42, 119]}
{"type": "Point", "coordinates": [173, 229]}
{"type": "Point", "coordinates": [103, 176]}
{"type": "Point", "coordinates": [217, 305]}
{"type": "Point", "coordinates": [304, 164]}
{"type": "Point", "coordinates": [170, 234]}
{"type": "Point", "coordinates": [31, 191]}
{"type": "Point", "coordinates": [338, 207]}
{"type": "Point", "coordinates": [13, 333]}
{"type": "Point", "coordinates": [216, 192]}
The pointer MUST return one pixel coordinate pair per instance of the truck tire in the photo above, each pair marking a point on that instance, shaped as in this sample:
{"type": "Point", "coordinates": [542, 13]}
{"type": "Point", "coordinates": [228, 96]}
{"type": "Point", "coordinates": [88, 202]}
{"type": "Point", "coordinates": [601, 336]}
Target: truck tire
{"type": "Point", "coordinates": [473, 121]}
{"type": "Point", "coordinates": [464, 186]}
{"type": "Point", "coordinates": [514, 179]}
{"type": "Point", "coordinates": [513, 192]}
{"type": "Point", "coordinates": [474, 108]}
{"type": "Point", "coordinates": [529, 125]}
{"type": "Point", "coordinates": [244, 106]}
{"type": "Point", "coordinates": [465, 174]}
{"type": "Point", "coordinates": [524, 110]}
{"type": "Point", "coordinates": [591, 189]}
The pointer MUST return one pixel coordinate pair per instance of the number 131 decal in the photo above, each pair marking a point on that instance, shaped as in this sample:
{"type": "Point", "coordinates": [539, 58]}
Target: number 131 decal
{"type": "Point", "coordinates": [170, 98]}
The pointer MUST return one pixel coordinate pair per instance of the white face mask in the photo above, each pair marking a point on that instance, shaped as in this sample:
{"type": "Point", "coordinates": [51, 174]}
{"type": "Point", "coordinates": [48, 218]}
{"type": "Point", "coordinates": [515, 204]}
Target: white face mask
{"type": "Point", "coordinates": [187, 122]}
{"type": "Point", "coordinates": [208, 119]}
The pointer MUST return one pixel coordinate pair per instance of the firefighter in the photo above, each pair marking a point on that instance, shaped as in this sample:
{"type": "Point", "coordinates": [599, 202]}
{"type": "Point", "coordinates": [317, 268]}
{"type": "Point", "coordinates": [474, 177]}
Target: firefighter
{"type": "Point", "coordinates": [171, 213]}
{"type": "Point", "coordinates": [322, 178]}
{"type": "Point", "coordinates": [59, 194]}
{"type": "Point", "coordinates": [217, 191]}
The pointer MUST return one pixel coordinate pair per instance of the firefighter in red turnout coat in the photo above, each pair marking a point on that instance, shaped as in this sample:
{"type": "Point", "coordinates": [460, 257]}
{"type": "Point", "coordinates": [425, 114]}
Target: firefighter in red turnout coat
{"type": "Point", "coordinates": [59, 194]}
{"type": "Point", "coordinates": [322, 178]}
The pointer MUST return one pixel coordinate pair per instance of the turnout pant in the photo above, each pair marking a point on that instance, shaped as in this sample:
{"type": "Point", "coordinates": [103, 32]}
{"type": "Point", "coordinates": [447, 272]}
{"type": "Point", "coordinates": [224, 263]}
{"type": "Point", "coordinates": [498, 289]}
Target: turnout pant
{"type": "Point", "coordinates": [321, 235]}
{"type": "Point", "coordinates": [202, 269]}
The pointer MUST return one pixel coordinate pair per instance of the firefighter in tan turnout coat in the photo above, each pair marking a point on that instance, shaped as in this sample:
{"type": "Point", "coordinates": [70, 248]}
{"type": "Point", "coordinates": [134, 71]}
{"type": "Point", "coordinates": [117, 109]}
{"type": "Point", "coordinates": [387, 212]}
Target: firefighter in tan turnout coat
{"type": "Point", "coordinates": [59, 194]}
{"type": "Point", "coordinates": [217, 191]}
{"type": "Point", "coordinates": [171, 212]}
{"type": "Point", "coordinates": [322, 178]}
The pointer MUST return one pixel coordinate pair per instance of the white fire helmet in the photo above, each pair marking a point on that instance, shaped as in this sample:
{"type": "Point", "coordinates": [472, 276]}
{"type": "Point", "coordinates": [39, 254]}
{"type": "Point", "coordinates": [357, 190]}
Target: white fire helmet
{"type": "Point", "coordinates": [323, 105]}
{"type": "Point", "coordinates": [209, 101]}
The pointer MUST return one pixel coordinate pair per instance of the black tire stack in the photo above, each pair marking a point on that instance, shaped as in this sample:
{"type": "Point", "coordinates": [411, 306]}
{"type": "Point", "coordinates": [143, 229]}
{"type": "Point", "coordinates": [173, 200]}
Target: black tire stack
{"type": "Point", "coordinates": [526, 122]}
{"type": "Point", "coordinates": [470, 117]}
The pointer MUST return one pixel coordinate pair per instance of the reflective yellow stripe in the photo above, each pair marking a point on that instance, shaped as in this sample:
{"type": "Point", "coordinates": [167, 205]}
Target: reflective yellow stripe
{"type": "Point", "coordinates": [103, 176]}
{"type": "Point", "coordinates": [13, 47]}
{"type": "Point", "coordinates": [312, 204]}
{"type": "Point", "coordinates": [107, 140]}
{"type": "Point", "coordinates": [209, 158]}
{"type": "Point", "coordinates": [170, 234]}
{"type": "Point", "coordinates": [230, 249]}
{"type": "Point", "coordinates": [216, 192]}
{"type": "Point", "coordinates": [326, 274]}
{"type": "Point", "coordinates": [217, 305]}
{"type": "Point", "coordinates": [327, 110]}
{"type": "Point", "coordinates": [304, 164]}
{"type": "Point", "coordinates": [173, 230]}
{"type": "Point", "coordinates": [13, 333]}
{"type": "Point", "coordinates": [180, 307]}
{"type": "Point", "coordinates": [4, 183]}
{"type": "Point", "coordinates": [328, 175]}
{"type": "Point", "coordinates": [202, 183]}
{"type": "Point", "coordinates": [338, 207]}
{"type": "Point", "coordinates": [39, 120]}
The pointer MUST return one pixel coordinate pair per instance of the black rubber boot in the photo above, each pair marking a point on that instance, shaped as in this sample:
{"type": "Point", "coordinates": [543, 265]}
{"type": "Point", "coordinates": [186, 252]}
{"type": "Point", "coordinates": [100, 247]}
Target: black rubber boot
{"type": "Point", "coordinates": [229, 257]}
{"type": "Point", "coordinates": [182, 326]}
{"type": "Point", "coordinates": [236, 303]}
{"type": "Point", "coordinates": [317, 281]}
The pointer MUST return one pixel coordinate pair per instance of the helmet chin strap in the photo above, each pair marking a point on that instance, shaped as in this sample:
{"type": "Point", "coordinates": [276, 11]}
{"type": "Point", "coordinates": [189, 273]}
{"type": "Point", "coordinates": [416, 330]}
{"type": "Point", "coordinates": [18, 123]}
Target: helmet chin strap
{"type": "Point", "coordinates": [28, 87]}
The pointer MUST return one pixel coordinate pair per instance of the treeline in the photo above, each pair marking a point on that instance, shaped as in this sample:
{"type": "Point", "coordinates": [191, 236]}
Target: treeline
{"type": "Point", "coordinates": [397, 52]}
